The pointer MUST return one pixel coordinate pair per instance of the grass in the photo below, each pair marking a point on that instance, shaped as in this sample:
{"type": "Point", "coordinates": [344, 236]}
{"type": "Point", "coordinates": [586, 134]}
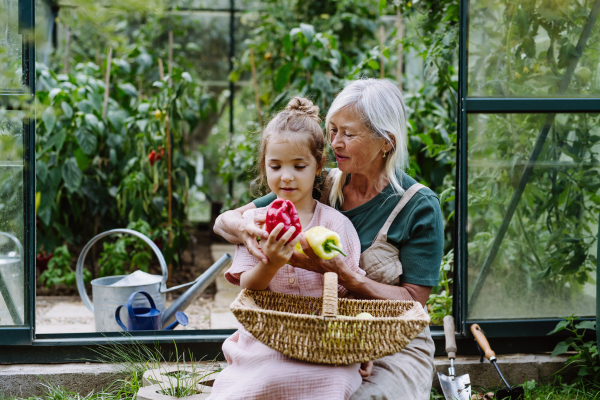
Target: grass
{"type": "Point", "coordinates": [131, 362]}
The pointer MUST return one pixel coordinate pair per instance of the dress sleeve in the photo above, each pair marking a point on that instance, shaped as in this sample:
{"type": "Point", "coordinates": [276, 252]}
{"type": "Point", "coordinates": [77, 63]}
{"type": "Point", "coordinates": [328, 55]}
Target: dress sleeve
{"type": "Point", "coordinates": [242, 260]}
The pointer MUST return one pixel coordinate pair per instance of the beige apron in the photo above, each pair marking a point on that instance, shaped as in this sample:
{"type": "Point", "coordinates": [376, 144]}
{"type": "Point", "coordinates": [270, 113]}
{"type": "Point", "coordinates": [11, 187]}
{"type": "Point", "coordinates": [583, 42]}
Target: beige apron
{"type": "Point", "coordinates": [406, 375]}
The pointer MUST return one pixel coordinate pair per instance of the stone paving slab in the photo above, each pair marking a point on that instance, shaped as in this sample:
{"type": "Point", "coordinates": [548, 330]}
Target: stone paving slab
{"type": "Point", "coordinates": [66, 309]}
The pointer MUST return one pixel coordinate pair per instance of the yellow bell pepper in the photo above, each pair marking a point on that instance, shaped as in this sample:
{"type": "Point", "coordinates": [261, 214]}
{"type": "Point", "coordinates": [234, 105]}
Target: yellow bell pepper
{"type": "Point", "coordinates": [324, 242]}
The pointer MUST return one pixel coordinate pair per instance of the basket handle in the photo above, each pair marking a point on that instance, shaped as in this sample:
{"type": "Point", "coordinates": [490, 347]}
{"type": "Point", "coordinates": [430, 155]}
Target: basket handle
{"type": "Point", "coordinates": [330, 295]}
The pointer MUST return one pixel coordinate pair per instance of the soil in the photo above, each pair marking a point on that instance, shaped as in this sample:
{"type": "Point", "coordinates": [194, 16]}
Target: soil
{"type": "Point", "coordinates": [195, 260]}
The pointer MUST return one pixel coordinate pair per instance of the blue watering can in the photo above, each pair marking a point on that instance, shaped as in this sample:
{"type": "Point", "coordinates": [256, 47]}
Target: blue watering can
{"type": "Point", "coordinates": [146, 318]}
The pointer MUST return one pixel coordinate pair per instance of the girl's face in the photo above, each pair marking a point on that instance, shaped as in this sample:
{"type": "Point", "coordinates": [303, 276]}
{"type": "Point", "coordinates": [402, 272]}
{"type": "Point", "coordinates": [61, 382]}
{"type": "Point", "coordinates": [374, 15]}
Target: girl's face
{"type": "Point", "coordinates": [356, 150]}
{"type": "Point", "coordinates": [291, 170]}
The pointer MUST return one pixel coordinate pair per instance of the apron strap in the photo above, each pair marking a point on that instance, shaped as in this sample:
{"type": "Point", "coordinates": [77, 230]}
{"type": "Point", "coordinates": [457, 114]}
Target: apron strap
{"type": "Point", "coordinates": [331, 175]}
{"type": "Point", "coordinates": [403, 201]}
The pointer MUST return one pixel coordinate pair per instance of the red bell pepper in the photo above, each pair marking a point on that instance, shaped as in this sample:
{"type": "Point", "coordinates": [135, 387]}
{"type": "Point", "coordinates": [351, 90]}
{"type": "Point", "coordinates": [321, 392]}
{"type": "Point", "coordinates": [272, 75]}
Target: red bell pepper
{"type": "Point", "coordinates": [152, 157]}
{"type": "Point", "coordinates": [283, 211]}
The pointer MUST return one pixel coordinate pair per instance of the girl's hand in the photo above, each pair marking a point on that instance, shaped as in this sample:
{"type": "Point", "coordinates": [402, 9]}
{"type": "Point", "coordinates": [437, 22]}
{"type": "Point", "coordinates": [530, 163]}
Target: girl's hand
{"type": "Point", "coordinates": [278, 251]}
{"type": "Point", "coordinates": [249, 232]}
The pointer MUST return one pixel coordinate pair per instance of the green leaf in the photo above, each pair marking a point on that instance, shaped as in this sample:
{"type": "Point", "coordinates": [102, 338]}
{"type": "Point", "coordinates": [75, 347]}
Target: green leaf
{"type": "Point", "coordinates": [186, 77]}
{"type": "Point", "coordinates": [54, 92]}
{"type": "Point", "coordinates": [308, 31]}
{"type": "Point", "coordinates": [444, 195]}
{"type": "Point", "coordinates": [67, 109]}
{"type": "Point", "coordinates": [560, 348]}
{"type": "Point", "coordinates": [56, 140]}
{"type": "Point", "coordinates": [49, 119]}
{"type": "Point", "coordinates": [71, 175]}
{"type": "Point", "coordinates": [559, 327]}
{"type": "Point", "coordinates": [92, 122]}
{"type": "Point", "coordinates": [586, 325]}
{"type": "Point", "coordinates": [283, 76]}
{"type": "Point", "coordinates": [386, 53]}
{"type": "Point", "coordinates": [41, 170]}
{"type": "Point", "coordinates": [382, 5]}
{"type": "Point", "coordinates": [129, 89]}
{"type": "Point", "coordinates": [373, 64]}
{"type": "Point", "coordinates": [287, 43]}
{"type": "Point", "coordinates": [83, 161]}
{"type": "Point", "coordinates": [86, 140]}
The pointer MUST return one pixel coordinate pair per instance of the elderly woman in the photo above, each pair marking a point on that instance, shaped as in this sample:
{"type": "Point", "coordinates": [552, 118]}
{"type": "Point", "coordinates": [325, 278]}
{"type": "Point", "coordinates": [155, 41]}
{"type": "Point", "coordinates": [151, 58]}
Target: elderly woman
{"type": "Point", "coordinates": [398, 220]}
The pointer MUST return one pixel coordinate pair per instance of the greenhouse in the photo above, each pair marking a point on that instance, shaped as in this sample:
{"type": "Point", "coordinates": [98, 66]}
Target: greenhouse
{"type": "Point", "coordinates": [142, 146]}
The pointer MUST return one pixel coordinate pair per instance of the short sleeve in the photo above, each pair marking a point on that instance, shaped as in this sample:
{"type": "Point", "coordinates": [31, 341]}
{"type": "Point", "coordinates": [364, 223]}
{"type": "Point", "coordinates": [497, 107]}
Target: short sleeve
{"type": "Point", "coordinates": [422, 249]}
{"type": "Point", "coordinates": [242, 260]}
{"type": "Point", "coordinates": [265, 200]}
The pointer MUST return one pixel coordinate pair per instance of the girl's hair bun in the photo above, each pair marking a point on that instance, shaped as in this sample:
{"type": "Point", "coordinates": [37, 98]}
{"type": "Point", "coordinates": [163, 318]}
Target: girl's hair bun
{"type": "Point", "coordinates": [303, 105]}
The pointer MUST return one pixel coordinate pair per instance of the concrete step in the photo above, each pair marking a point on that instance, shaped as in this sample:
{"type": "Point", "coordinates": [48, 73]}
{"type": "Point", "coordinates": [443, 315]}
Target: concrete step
{"type": "Point", "coordinates": [25, 380]}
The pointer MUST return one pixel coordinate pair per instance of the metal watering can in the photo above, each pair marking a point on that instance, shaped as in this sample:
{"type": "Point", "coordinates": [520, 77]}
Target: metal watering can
{"type": "Point", "coordinates": [146, 318]}
{"type": "Point", "coordinates": [12, 284]}
{"type": "Point", "coordinates": [112, 291]}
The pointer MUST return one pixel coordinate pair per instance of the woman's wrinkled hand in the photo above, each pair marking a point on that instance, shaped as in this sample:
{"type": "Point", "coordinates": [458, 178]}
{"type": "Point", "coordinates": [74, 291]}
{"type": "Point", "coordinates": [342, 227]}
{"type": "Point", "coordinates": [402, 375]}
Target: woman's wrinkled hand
{"type": "Point", "coordinates": [249, 231]}
{"type": "Point", "coordinates": [366, 369]}
{"type": "Point", "coordinates": [312, 262]}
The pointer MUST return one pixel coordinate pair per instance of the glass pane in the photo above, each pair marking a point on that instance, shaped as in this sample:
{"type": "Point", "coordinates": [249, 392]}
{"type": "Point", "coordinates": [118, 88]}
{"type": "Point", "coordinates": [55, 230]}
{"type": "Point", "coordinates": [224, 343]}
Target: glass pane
{"type": "Point", "coordinates": [12, 295]}
{"type": "Point", "coordinates": [10, 47]}
{"type": "Point", "coordinates": [546, 264]}
{"type": "Point", "coordinates": [520, 49]}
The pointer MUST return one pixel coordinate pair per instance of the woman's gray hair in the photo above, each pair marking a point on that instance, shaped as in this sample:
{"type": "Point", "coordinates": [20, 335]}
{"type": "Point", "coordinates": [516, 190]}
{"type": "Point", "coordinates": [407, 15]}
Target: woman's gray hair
{"type": "Point", "coordinates": [380, 106]}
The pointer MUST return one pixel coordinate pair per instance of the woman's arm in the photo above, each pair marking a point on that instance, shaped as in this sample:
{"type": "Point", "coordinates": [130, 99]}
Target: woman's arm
{"type": "Point", "coordinates": [237, 230]}
{"type": "Point", "coordinates": [360, 286]}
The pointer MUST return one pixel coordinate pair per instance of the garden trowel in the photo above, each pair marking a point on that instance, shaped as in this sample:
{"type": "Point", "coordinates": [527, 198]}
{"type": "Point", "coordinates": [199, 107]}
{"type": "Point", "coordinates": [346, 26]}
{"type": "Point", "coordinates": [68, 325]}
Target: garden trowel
{"type": "Point", "coordinates": [454, 387]}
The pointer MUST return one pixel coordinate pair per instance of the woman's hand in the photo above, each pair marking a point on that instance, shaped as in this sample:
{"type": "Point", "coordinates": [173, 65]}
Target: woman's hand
{"type": "Point", "coordinates": [312, 262]}
{"type": "Point", "coordinates": [366, 369]}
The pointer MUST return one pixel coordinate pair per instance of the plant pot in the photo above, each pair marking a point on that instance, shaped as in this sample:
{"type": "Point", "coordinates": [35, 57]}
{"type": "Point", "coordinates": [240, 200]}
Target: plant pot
{"type": "Point", "coordinates": [155, 381]}
{"type": "Point", "coordinates": [154, 392]}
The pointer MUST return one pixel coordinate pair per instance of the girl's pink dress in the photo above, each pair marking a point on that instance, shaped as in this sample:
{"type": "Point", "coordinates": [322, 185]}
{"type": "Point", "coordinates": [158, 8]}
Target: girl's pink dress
{"type": "Point", "coordinates": [255, 371]}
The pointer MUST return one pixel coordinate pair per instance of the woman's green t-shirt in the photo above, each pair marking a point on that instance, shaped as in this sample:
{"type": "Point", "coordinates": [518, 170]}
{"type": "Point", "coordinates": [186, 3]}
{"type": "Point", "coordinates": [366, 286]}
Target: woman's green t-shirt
{"type": "Point", "coordinates": [417, 231]}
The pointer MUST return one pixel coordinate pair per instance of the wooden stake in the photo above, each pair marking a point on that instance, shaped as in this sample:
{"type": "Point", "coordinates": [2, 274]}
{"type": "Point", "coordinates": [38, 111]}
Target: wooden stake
{"type": "Point", "coordinates": [255, 86]}
{"type": "Point", "coordinates": [381, 57]}
{"type": "Point", "coordinates": [170, 193]}
{"type": "Point", "coordinates": [399, 37]}
{"type": "Point", "coordinates": [67, 43]}
{"type": "Point", "coordinates": [170, 66]}
{"type": "Point", "coordinates": [161, 72]}
{"type": "Point", "coordinates": [107, 82]}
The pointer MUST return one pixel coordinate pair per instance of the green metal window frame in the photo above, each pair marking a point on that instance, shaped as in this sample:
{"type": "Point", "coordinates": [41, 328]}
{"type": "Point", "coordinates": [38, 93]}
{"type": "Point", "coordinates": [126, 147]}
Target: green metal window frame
{"type": "Point", "coordinates": [495, 329]}
{"type": "Point", "coordinates": [22, 345]}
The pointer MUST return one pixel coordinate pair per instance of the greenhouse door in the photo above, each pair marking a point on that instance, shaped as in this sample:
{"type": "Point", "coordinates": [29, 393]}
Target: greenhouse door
{"type": "Point", "coordinates": [17, 172]}
{"type": "Point", "coordinates": [528, 165]}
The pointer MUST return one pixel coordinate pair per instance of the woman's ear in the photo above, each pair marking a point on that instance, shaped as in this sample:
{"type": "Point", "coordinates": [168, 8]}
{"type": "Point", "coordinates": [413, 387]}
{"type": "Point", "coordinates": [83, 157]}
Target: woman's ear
{"type": "Point", "coordinates": [390, 145]}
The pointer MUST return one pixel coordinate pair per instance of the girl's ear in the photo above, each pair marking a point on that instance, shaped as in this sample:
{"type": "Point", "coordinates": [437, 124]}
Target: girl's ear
{"type": "Point", "coordinates": [321, 164]}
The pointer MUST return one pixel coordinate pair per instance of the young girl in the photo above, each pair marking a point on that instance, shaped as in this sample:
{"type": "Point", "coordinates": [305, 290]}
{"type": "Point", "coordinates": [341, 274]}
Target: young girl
{"type": "Point", "coordinates": [291, 157]}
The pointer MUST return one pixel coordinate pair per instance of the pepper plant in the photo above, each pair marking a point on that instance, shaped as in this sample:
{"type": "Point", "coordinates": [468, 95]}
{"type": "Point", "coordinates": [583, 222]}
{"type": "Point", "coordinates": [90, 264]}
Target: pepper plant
{"type": "Point", "coordinates": [93, 166]}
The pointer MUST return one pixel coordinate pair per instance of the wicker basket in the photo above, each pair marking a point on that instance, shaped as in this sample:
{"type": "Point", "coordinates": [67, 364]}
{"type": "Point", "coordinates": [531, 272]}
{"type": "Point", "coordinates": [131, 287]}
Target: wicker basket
{"type": "Point", "coordinates": [310, 329]}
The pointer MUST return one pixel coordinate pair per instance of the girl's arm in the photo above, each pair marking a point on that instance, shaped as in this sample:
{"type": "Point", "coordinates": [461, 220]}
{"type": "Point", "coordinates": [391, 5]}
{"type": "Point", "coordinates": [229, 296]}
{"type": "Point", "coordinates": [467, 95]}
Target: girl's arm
{"type": "Point", "coordinates": [237, 230]}
{"type": "Point", "coordinates": [279, 253]}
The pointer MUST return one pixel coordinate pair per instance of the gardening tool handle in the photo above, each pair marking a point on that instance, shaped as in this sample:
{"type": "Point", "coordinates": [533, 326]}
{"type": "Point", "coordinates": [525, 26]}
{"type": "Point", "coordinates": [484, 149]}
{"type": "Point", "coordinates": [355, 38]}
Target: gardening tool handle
{"type": "Point", "coordinates": [79, 270]}
{"type": "Point", "coordinates": [330, 292]}
{"type": "Point", "coordinates": [450, 336]}
{"type": "Point", "coordinates": [482, 342]}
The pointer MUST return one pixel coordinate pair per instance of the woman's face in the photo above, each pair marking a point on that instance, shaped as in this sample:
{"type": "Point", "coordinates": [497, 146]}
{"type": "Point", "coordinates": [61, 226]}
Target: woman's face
{"type": "Point", "coordinates": [357, 150]}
